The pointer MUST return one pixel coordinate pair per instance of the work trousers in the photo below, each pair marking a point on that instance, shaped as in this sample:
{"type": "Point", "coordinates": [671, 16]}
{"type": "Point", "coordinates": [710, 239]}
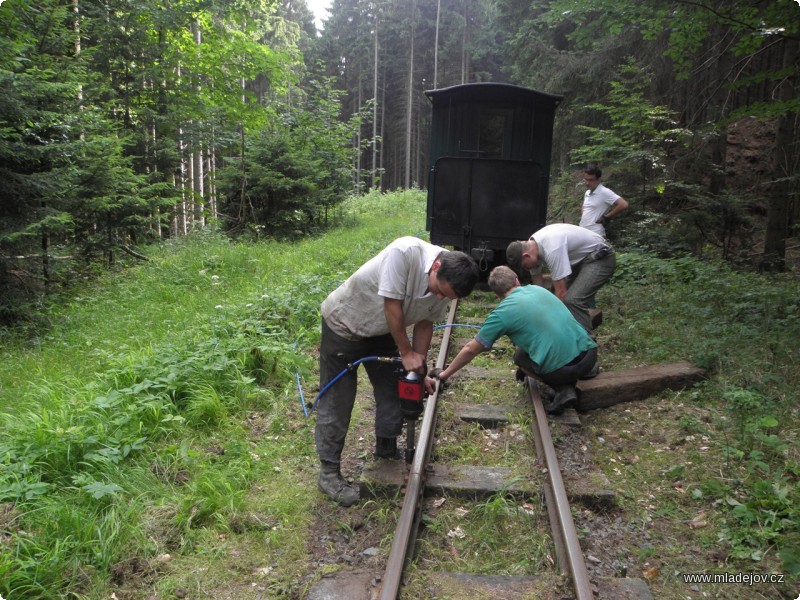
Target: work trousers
{"type": "Point", "coordinates": [587, 277]}
{"type": "Point", "coordinates": [336, 404]}
{"type": "Point", "coordinates": [568, 374]}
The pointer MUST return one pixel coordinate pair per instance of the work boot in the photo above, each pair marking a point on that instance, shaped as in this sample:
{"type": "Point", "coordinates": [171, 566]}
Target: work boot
{"type": "Point", "coordinates": [546, 393]}
{"type": "Point", "coordinates": [332, 483]}
{"type": "Point", "coordinates": [386, 448]}
{"type": "Point", "coordinates": [565, 397]}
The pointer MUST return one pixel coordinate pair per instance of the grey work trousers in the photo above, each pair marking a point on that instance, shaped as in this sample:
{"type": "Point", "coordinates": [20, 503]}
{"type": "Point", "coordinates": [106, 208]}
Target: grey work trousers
{"type": "Point", "coordinates": [336, 404]}
{"type": "Point", "coordinates": [566, 375]}
{"type": "Point", "coordinates": [587, 277]}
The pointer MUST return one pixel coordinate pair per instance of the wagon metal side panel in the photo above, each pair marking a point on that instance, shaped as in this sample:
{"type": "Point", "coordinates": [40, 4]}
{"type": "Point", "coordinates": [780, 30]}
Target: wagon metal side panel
{"type": "Point", "coordinates": [479, 203]}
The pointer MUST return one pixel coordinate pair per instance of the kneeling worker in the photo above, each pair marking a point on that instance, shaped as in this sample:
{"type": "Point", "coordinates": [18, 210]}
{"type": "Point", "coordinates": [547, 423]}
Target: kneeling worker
{"type": "Point", "coordinates": [551, 345]}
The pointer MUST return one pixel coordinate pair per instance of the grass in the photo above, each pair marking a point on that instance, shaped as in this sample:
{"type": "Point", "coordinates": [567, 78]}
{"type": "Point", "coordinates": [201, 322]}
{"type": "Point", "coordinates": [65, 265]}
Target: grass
{"type": "Point", "coordinates": [720, 461]}
{"type": "Point", "coordinates": [498, 536]}
{"type": "Point", "coordinates": [155, 414]}
{"type": "Point", "coordinates": [154, 441]}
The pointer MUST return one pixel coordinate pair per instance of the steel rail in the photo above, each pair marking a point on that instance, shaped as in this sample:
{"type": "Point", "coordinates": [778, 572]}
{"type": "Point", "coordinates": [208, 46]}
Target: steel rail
{"type": "Point", "coordinates": [568, 550]}
{"type": "Point", "coordinates": [552, 514]}
{"type": "Point", "coordinates": [564, 532]}
{"type": "Point", "coordinates": [408, 524]}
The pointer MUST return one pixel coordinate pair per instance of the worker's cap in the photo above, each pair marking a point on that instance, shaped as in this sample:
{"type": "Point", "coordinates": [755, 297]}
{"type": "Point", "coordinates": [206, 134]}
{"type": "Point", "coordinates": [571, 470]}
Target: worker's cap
{"type": "Point", "coordinates": [514, 256]}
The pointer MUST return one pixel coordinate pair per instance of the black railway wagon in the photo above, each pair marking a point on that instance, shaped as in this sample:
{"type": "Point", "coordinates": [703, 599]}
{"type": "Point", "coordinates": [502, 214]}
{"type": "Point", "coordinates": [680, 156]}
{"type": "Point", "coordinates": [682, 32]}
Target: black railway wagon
{"type": "Point", "coordinates": [489, 166]}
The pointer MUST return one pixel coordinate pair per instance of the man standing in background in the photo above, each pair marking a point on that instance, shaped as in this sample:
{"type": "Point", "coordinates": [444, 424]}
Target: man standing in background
{"type": "Point", "coordinates": [599, 202]}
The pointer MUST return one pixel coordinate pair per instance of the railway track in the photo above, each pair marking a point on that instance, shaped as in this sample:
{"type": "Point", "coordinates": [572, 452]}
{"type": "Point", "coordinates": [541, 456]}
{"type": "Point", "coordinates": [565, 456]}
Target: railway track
{"type": "Point", "coordinates": [569, 572]}
{"type": "Point", "coordinates": [565, 536]}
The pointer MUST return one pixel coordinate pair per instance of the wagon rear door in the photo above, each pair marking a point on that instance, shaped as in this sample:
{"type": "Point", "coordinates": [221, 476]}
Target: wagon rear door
{"type": "Point", "coordinates": [484, 203]}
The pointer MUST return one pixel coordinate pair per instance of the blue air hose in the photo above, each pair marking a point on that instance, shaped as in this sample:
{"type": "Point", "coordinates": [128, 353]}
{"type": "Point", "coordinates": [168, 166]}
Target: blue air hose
{"type": "Point", "coordinates": [350, 367]}
{"type": "Point", "coordinates": [456, 325]}
{"type": "Point", "coordinates": [307, 409]}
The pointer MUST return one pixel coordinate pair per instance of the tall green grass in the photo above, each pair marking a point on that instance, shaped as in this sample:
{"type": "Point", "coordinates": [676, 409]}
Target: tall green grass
{"type": "Point", "coordinates": [743, 328]}
{"type": "Point", "coordinates": [144, 410]}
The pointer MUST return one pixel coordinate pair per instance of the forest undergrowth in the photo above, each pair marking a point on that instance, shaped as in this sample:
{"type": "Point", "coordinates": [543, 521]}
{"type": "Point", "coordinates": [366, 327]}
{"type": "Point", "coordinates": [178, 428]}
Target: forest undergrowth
{"type": "Point", "coordinates": [155, 443]}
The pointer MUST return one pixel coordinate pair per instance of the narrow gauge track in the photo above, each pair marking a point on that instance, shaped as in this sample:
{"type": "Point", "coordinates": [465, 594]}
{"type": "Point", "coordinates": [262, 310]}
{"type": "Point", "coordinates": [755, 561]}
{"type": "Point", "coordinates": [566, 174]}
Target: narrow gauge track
{"type": "Point", "coordinates": [568, 549]}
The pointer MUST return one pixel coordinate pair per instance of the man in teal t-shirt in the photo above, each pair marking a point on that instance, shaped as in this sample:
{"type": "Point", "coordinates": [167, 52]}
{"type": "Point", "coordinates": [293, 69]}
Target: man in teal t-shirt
{"type": "Point", "coordinates": [551, 344]}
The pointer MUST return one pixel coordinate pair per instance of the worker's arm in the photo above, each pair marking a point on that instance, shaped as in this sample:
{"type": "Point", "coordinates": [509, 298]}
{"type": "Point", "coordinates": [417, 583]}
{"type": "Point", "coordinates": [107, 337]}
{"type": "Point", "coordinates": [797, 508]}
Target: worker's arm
{"type": "Point", "coordinates": [423, 333]}
{"type": "Point", "coordinates": [395, 319]}
{"type": "Point", "coordinates": [619, 205]}
{"type": "Point", "coordinates": [560, 288]}
{"type": "Point", "coordinates": [470, 350]}
{"type": "Point", "coordinates": [421, 342]}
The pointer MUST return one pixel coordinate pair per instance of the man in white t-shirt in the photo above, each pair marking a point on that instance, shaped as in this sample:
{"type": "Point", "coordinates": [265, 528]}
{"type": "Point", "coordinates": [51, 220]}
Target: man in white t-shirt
{"type": "Point", "coordinates": [600, 204]}
{"type": "Point", "coordinates": [410, 282]}
{"type": "Point", "coordinates": [580, 262]}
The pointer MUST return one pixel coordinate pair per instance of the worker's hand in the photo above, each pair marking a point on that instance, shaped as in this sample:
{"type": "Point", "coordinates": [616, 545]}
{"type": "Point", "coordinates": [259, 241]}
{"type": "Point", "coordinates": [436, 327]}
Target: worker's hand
{"type": "Point", "coordinates": [413, 361]}
{"type": "Point", "coordinates": [603, 221]}
{"type": "Point", "coordinates": [433, 376]}
{"type": "Point", "coordinates": [430, 385]}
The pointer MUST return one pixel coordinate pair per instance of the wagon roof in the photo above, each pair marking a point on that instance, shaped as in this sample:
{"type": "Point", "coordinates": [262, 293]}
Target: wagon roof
{"type": "Point", "coordinates": [489, 92]}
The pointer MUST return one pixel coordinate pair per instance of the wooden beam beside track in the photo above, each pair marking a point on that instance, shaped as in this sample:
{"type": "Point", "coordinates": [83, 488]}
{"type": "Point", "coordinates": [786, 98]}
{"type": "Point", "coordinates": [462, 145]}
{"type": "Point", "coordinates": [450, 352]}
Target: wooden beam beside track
{"type": "Point", "coordinates": [614, 387]}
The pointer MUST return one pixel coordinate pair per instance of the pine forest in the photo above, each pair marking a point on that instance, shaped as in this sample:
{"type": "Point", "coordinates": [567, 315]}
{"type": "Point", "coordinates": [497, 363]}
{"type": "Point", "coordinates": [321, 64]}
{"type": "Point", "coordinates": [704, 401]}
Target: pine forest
{"type": "Point", "coordinates": [124, 123]}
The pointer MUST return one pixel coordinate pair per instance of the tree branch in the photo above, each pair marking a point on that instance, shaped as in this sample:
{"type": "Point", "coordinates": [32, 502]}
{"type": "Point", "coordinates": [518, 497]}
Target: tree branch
{"type": "Point", "coordinates": [733, 20]}
{"type": "Point", "coordinates": [132, 252]}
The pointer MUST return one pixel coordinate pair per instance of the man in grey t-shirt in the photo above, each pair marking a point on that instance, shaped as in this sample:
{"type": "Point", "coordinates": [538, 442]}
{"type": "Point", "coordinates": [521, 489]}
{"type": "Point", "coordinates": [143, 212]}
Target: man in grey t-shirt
{"type": "Point", "coordinates": [580, 263]}
{"type": "Point", "coordinates": [410, 282]}
{"type": "Point", "coordinates": [600, 204]}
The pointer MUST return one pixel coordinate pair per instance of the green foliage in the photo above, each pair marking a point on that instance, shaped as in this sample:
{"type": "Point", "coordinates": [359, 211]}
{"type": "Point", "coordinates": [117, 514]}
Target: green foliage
{"type": "Point", "coordinates": [662, 123]}
{"type": "Point", "coordinates": [639, 133]}
{"type": "Point", "coordinates": [741, 326]}
{"type": "Point", "coordinates": [294, 171]}
{"type": "Point", "coordinates": [80, 445]}
{"type": "Point", "coordinates": [101, 110]}
{"type": "Point", "coordinates": [751, 27]}
{"type": "Point", "coordinates": [598, 19]}
{"type": "Point", "coordinates": [127, 414]}
{"type": "Point", "coordinates": [217, 493]}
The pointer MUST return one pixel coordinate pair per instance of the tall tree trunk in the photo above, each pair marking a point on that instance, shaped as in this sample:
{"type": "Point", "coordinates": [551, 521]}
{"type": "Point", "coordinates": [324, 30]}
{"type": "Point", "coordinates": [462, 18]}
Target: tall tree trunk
{"type": "Point", "coordinates": [358, 137]}
{"type": "Point", "coordinates": [383, 130]}
{"type": "Point", "coordinates": [374, 181]}
{"type": "Point", "coordinates": [211, 170]}
{"type": "Point", "coordinates": [784, 169]}
{"type": "Point", "coordinates": [77, 29]}
{"type": "Point", "coordinates": [418, 161]}
{"type": "Point", "coordinates": [109, 244]}
{"type": "Point", "coordinates": [46, 261]}
{"type": "Point", "coordinates": [197, 156]}
{"type": "Point", "coordinates": [198, 189]}
{"type": "Point", "coordinates": [464, 58]}
{"type": "Point", "coordinates": [410, 99]}
{"type": "Point", "coordinates": [184, 215]}
{"type": "Point", "coordinates": [436, 46]}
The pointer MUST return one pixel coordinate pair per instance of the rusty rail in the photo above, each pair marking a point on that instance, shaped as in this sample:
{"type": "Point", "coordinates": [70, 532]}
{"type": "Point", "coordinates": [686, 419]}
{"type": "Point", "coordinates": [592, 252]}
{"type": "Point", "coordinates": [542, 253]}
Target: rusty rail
{"type": "Point", "coordinates": [568, 550]}
{"type": "Point", "coordinates": [565, 536]}
{"type": "Point", "coordinates": [408, 524]}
